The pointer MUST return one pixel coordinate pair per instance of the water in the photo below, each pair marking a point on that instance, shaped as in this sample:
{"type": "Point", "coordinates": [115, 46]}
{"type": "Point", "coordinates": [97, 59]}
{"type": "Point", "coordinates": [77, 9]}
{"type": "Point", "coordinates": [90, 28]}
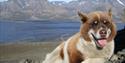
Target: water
{"type": "Point", "coordinates": [35, 31]}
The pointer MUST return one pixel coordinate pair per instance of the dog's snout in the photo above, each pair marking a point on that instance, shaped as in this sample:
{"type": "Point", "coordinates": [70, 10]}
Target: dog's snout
{"type": "Point", "coordinates": [103, 31]}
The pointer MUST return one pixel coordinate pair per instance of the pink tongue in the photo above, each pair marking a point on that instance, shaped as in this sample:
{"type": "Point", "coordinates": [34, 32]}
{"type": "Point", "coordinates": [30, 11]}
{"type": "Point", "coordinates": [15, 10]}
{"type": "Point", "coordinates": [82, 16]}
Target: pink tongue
{"type": "Point", "coordinates": [102, 42]}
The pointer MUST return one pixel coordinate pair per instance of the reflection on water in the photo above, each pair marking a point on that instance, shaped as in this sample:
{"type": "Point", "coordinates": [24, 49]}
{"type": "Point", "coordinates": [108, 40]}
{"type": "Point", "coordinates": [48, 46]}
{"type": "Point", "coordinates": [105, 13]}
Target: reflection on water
{"type": "Point", "coordinates": [11, 31]}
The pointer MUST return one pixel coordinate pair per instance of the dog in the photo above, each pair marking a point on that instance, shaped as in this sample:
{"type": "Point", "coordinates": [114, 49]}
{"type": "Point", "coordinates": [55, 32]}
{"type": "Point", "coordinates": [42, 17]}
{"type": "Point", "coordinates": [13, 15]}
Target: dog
{"type": "Point", "coordinates": [93, 43]}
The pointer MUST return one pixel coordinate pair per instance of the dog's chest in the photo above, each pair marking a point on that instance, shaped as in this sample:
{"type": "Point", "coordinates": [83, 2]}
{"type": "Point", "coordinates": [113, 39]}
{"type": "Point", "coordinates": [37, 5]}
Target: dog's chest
{"type": "Point", "coordinates": [90, 51]}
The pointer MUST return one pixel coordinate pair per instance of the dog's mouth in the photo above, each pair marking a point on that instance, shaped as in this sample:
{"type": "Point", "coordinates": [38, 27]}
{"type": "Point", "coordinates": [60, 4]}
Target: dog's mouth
{"type": "Point", "coordinates": [100, 42]}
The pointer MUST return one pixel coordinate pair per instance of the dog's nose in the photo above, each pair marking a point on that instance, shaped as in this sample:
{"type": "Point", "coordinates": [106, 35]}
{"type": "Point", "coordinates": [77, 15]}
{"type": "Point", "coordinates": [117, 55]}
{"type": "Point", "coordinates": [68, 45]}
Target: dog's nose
{"type": "Point", "coordinates": [103, 33]}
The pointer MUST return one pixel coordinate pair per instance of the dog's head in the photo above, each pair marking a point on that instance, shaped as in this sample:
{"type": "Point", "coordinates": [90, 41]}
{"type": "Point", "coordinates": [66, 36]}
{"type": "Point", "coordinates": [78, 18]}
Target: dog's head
{"type": "Point", "coordinates": [97, 27]}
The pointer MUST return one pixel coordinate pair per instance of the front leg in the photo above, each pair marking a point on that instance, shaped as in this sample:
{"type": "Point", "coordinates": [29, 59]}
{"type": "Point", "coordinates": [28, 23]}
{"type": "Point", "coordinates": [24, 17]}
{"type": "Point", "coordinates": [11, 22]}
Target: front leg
{"type": "Point", "coordinates": [94, 60]}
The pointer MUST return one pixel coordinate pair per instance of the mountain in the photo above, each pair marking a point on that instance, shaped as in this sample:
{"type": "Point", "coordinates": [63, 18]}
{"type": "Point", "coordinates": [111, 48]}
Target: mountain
{"type": "Point", "coordinates": [42, 9]}
{"type": "Point", "coordinates": [29, 9]}
{"type": "Point", "coordinates": [58, 3]}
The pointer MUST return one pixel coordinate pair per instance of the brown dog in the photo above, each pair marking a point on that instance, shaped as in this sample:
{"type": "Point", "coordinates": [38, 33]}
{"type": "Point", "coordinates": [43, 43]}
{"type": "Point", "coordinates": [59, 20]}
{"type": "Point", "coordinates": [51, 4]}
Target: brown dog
{"type": "Point", "coordinates": [93, 43]}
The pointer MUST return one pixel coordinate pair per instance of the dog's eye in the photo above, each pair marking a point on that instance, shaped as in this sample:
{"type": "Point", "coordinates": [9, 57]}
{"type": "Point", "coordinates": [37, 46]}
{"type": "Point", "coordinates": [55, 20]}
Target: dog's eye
{"type": "Point", "coordinates": [105, 22]}
{"type": "Point", "coordinates": [95, 22]}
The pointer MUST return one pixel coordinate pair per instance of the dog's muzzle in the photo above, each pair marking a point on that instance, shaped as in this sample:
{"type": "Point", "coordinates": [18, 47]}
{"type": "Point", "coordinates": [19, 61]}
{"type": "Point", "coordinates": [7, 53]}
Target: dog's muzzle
{"type": "Point", "coordinates": [100, 42]}
{"type": "Point", "coordinates": [103, 33]}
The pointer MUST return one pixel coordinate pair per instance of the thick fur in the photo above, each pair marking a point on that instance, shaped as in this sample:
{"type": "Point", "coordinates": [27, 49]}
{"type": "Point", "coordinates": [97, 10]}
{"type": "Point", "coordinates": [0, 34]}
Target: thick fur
{"type": "Point", "coordinates": [81, 48]}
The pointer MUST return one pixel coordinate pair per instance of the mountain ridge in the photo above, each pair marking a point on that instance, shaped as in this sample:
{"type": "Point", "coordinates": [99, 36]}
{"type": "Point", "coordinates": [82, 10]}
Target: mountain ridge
{"type": "Point", "coordinates": [42, 9]}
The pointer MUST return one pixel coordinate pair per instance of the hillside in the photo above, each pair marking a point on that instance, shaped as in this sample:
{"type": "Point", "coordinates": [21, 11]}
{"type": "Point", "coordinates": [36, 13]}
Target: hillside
{"type": "Point", "coordinates": [42, 9]}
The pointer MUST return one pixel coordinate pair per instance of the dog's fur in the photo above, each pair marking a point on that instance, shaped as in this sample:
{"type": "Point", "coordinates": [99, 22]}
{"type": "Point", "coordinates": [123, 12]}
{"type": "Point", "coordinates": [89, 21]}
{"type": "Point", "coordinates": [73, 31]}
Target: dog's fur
{"type": "Point", "coordinates": [82, 48]}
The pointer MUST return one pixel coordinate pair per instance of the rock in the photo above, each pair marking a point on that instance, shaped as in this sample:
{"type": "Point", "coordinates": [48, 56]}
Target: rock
{"type": "Point", "coordinates": [117, 58]}
{"type": "Point", "coordinates": [29, 61]}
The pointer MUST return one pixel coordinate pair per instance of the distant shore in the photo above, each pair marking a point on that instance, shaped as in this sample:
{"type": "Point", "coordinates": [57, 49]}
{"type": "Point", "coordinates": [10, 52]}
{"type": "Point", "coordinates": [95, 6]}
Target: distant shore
{"type": "Point", "coordinates": [19, 52]}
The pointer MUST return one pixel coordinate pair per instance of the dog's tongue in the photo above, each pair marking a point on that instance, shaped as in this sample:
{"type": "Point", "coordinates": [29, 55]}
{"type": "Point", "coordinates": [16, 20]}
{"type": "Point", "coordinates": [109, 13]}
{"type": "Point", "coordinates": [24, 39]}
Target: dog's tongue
{"type": "Point", "coordinates": [102, 42]}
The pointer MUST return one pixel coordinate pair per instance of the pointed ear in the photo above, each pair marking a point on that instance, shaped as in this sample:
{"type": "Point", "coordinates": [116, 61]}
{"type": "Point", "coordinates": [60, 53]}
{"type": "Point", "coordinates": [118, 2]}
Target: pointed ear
{"type": "Point", "coordinates": [110, 12]}
{"type": "Point", "coordinates": [83, 17]}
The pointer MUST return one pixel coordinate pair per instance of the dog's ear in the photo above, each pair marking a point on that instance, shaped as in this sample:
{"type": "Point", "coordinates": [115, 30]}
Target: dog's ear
{"type": "Point", "coordinates": [83, 17]}
{"type": "Point", "coordinates": [110, 12]}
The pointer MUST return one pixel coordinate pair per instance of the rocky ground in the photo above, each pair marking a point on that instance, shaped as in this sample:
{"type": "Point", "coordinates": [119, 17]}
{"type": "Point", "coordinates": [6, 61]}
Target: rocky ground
{"type": "Point", "coordinates": [25, 52]}
{"type": "Point", "coordinates": [117, 58]}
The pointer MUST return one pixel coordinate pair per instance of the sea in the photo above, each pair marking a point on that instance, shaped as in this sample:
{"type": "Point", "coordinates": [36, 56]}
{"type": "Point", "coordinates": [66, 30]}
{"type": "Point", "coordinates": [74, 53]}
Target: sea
{"type": "Point", "coordinates": [39, 30]}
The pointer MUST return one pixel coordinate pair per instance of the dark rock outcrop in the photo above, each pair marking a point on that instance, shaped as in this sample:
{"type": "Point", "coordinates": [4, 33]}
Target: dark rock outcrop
{"type": "Point", "coordinates": [120, 46]}
{"type": "Point", "coordinates": [120, 40]}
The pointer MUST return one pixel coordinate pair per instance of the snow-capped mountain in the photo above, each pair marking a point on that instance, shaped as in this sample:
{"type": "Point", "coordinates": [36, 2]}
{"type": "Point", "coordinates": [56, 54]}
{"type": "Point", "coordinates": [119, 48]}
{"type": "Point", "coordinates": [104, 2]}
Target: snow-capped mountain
{"type": "Point", "coordinates": [42, 9]}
